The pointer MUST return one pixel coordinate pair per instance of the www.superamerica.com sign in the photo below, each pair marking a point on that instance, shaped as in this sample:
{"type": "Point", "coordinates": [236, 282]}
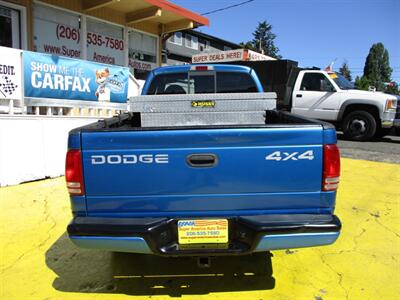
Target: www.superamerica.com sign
{"type": "Point", "coordinates": [50, 76]}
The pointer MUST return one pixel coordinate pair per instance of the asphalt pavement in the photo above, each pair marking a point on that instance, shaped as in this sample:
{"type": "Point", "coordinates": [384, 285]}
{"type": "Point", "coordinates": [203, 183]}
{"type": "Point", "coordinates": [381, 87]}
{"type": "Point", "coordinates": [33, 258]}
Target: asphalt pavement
{"type": "Point", "coordinates": [386, 149]}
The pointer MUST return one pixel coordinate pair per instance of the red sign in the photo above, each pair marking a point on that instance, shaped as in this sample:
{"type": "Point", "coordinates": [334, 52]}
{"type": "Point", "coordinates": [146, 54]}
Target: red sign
{"type": "Point", "coordinates": [230, 55]}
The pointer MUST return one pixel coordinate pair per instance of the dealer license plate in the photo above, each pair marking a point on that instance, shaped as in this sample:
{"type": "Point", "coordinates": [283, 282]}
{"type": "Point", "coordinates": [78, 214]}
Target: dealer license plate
{"type": "Point", "coordinates": [203, 231]}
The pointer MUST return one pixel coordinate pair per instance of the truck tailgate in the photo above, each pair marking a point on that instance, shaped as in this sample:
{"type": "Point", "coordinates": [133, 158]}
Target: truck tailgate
{"type": "Point", "coordinates": [149, 172]}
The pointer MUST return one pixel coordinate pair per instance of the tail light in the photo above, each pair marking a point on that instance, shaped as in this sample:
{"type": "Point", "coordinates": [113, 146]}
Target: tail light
{"type": "Point", "coordinates": [331, 171]}
{"type": "Point", "coordinates": [73, 173]}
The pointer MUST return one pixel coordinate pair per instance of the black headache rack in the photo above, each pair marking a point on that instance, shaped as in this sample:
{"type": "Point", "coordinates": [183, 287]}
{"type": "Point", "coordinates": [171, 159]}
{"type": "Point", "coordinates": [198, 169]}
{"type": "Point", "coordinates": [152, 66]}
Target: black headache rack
{"type": "Point", "coordinates": [278, 76]}
{"type": "Point", "coordinates": [245, 232]}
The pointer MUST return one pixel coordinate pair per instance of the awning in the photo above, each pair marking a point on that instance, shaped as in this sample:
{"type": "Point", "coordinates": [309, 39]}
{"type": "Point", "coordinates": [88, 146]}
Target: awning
{"type": "Point", "coordinates": [155, 16]}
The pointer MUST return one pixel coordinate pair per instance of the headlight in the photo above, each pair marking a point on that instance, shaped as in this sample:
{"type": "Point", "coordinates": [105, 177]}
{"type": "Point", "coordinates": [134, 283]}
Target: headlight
{"type": "Point", "coordinates": [390, 105]}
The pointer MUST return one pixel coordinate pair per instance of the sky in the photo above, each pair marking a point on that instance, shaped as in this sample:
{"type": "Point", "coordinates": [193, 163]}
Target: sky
{"type": "Point", "coordinates": [312, 32]}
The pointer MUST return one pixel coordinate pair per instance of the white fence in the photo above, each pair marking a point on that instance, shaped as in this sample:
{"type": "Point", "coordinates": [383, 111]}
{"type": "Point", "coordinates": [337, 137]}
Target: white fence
{"type": "Point", "coordinates": [33, 147]}
{"type": "Point", "coordinates": [34, 133]}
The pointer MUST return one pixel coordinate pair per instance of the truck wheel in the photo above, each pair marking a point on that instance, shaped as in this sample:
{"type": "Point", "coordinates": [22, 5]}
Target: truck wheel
{"type": "Point", "coordinates": [359, 125]}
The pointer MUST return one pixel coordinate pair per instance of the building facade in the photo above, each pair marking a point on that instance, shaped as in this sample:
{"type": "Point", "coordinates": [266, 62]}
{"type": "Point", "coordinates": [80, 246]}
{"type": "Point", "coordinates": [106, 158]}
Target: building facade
{"type": "Point", "coordinates": [181, 45]}
{"type": "Point", "coordinates": [124, 32]}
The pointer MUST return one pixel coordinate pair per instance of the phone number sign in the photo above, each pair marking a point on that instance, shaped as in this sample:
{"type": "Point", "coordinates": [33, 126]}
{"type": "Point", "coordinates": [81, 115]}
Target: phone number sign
{"type": "Point", "coordinates": [58, 33]}
{"type": "Point", "coordinates": [101, 48]}
{"type": "Point", "coordinates": [105, 43]}
{"type": "Point", "coordinates": [105, 49]}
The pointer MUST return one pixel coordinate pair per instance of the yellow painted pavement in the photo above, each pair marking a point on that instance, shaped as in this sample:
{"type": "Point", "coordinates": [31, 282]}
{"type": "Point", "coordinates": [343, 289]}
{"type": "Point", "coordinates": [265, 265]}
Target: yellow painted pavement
{"type": "Point", "coordinates": [38, 262]}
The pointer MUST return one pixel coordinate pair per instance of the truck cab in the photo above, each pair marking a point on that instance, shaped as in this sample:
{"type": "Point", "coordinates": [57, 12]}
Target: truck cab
{"type": "Point", "coordinates": [313, 85]}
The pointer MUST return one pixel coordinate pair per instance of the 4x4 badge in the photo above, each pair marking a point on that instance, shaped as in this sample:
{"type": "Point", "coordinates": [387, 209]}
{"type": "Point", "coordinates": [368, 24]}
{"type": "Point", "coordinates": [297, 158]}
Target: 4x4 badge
{"type": "Point", "coordinates": [284, 156]}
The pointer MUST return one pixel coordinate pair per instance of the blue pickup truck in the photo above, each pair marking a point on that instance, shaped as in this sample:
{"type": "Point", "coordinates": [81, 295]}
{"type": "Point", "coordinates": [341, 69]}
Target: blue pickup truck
{"type": "Point", "coordinates": [203, 190]}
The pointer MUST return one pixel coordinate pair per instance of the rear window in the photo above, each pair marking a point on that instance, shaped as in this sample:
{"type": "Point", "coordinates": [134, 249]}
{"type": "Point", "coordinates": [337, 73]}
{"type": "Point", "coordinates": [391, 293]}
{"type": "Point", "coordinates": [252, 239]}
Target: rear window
{"type": "Point", "coordinates": [202, 83]}
{"type": "Point", "coordinates": [235, 82]}
{"type": "Point", "coordinates": [164, 84]}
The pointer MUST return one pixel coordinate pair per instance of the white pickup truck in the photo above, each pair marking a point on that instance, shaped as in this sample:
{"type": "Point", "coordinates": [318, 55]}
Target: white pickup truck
{"type": "Point", "coordinates": [328, 96]}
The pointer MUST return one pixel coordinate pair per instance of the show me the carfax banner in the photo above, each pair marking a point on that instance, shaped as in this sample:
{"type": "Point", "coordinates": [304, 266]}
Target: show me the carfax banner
{"type": "Point", "coordinates": [51, 76]}
{"type": "Point", "coordinates": [10, 73]}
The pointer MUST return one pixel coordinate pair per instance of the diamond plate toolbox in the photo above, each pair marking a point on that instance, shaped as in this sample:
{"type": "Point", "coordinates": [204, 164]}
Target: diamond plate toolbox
{"type": "Point", "coordinates": [203, 109]}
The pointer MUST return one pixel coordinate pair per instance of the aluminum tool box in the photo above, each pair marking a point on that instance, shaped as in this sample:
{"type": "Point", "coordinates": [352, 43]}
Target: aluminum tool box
{"type": "Point", "coordinates": [203, 109]}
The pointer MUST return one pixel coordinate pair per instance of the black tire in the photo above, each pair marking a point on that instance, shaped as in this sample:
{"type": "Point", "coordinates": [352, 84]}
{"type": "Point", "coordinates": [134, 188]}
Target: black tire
{"type": "Point", "coordinates": [359, 125]}
{"type": "Point", "coordinates": [381, 132]}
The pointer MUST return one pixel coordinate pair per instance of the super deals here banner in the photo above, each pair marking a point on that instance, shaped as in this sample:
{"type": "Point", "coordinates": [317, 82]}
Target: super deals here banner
{"type": "Point", "coordinates": [50, 76]}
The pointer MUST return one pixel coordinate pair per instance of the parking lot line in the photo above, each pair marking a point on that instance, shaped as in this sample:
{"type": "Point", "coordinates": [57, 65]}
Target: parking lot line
{"type": "Point", "coordinates": [39, 262]}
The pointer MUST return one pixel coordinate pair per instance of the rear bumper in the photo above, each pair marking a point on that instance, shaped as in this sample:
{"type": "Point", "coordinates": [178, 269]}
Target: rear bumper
{"type": "Point", "coordinates": [247, 234]}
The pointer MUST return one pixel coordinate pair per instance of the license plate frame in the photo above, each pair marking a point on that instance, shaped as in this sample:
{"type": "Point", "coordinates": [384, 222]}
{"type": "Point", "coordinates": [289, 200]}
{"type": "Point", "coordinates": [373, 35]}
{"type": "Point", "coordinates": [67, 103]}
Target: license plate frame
{"type": "Point", "coordinates": [203, 231]}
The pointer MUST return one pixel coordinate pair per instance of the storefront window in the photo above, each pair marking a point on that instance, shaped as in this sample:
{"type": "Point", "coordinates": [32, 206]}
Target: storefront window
{"type": "Point", "coordinates": [10, 27]}
{"type": "Point", "coordinates": [142, 54]}
{"type": "Point", "coordinates": [56, 32]}
{"type": "Point", "coordinates": [105, 43]}
{"type": "Point", "coordinates": [60, 32]}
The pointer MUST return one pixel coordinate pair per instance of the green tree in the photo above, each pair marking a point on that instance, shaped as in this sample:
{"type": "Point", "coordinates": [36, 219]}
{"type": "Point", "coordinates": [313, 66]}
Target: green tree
{"type": "Point", "coordinates": [377, 68]}
{"type": "Point", "coordinates": [247, 45]}
{"type": "Point", "coordinates": [362, 83]}
{"type": "Point", "coordinates": [263, 40]}
{"type": "Point", "coordinates": [345, 71]}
